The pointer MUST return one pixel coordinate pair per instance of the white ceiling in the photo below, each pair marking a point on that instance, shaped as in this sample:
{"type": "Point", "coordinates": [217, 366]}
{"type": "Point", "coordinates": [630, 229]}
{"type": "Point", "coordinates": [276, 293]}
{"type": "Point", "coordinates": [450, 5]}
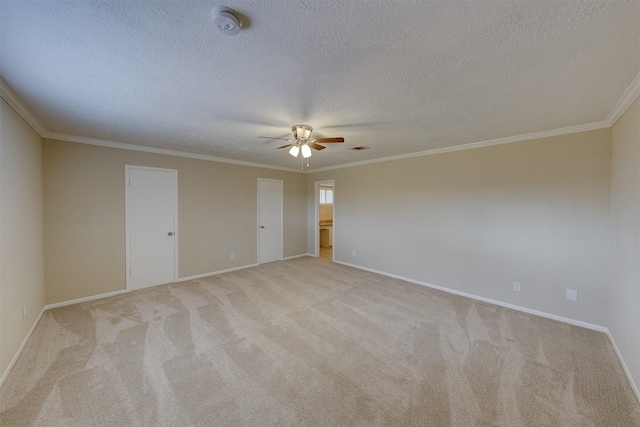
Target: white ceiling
{"type": "Point", "coordinates": [398, 77]}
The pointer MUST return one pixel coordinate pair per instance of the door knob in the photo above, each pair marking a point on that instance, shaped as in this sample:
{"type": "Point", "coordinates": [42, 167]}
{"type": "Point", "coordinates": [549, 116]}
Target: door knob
{"type": "Point", "coordinates": [171, 233]}
{"type": "Point", "coordinates": [262, 226]}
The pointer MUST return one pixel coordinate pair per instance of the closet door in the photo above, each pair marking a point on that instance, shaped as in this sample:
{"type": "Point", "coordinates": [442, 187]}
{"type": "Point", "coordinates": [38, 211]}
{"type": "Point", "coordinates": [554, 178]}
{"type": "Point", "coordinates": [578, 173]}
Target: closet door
{"type": "Point", "coordinates": [269, 221]}
{"type": "Point", "coordinates": [151, 204]}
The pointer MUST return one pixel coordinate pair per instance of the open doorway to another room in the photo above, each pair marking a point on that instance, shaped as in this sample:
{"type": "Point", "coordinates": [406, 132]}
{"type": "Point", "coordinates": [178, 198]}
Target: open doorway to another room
{"type": "Point", "coordinates": [325, 197]}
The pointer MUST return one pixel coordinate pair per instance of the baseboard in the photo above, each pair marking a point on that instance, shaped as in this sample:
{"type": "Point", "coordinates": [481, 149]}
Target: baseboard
{"type": "Point", "coordinates": [228, 270]}
{"type": "Point", "coordinates": [586, 325]}
{"type": "Point", "coordinates": [242, 267]}
{"type": "Point", "coordinates": [5, 374]}
{"type": "Point", "coordinates": [633, 384]}
{"type": "Point", "coordinates": [483, 299]}
{"type": "Point", "coordinates": [110, 294]}
{"type": "Point", "coordinates": [84, 299]}
{"type": "Point", "coordinates": [297, 256]}
{"type": "Point", "coordinates": [215, 273]}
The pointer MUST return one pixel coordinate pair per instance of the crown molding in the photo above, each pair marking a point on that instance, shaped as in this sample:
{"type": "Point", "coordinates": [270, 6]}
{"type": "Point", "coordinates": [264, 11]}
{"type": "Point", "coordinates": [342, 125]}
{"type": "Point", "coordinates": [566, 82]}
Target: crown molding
{"type": "Point", "coordinates": [507, 140]}
{"type": "Point", "coordinates": [629, 97]}
{"type": "Point", "coordinates": [12, 99]}
{"type": "Point", "coordinates": [625, 102]}
{"type": "Point", "coordinates": [162, 151]}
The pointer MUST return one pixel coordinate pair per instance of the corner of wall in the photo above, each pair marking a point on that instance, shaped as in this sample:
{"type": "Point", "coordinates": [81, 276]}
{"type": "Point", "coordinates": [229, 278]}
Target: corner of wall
{"type": "Point", "coordinates": [22, 284]}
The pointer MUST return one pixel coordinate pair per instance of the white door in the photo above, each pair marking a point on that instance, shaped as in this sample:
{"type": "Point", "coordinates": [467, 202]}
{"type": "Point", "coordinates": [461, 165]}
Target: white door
{"type": "Point", "coordinates": [151, 204]}
{"type": "Point", "coordinates": [269, 221]}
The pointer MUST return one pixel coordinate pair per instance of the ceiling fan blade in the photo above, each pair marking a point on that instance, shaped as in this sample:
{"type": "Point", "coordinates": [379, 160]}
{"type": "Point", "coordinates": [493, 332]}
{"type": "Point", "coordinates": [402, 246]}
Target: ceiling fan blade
{"type": "Point", "coordinates": [329, 140]}
{"type": "Point", "coordinates": [269, 137]}
{"type": "Point", "coordinates": [316, 146]}
{"type": "Point", "coordinates": [285, 146]}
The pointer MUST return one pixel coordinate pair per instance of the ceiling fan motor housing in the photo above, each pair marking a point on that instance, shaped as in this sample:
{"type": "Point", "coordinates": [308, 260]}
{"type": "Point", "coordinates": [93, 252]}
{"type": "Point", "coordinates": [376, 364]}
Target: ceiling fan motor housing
{"type": "Point", "coordinates": [302, 132]}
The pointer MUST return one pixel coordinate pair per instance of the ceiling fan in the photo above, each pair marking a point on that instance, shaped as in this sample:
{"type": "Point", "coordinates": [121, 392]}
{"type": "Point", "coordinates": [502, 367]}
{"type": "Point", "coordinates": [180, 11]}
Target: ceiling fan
{"type": "Point", "coordinates": [301, 142]}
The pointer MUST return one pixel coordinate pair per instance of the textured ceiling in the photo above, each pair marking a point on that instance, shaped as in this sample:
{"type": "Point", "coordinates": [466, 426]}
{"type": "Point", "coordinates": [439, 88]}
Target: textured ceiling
{"type": "Point", "coordinates": [398, 77]}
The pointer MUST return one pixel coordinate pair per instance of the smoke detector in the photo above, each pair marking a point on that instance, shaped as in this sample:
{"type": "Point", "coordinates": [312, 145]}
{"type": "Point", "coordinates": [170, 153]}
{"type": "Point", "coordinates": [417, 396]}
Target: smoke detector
{"type": "Point", "coordinates": [226, 20]}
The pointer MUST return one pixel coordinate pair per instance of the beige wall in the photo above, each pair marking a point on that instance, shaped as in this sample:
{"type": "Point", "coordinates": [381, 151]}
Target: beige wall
{"type": "Point", "coordinates": [85, 216]}
{"type": "Point", "coordinates": [477, 220]}
{"type": "Point", "coordinates": [624, 310]}
{"type": "Point", "coordinates": [21, 244]}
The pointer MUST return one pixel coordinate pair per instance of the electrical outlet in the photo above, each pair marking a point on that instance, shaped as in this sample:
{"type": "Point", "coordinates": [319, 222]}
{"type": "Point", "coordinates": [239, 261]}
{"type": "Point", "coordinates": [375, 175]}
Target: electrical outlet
{"type": "Point", "coordinates": [516, 286]}
{"type": "Point", "coordinates": [24, 312]}
{"type": "Point", "coordinates": [353, 252]}
{"type": "Point", "coordinates": [232, 256]}
{"type": "Point", "coordinates": [572, 295]}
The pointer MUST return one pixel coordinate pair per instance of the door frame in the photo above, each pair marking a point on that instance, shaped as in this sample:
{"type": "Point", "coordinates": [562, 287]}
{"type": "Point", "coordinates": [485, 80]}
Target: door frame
{"type": "Point", "coordinates": [316, 223]}
{"type": "Point", "coordinates": [281, 218]}
{"type": "Point", "coordinates": [127, 204]}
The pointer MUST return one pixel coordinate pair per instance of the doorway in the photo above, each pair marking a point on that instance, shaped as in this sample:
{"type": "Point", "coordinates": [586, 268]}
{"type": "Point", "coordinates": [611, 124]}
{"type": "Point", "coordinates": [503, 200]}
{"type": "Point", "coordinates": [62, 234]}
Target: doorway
{"type": "Point", "coordinates": [325, 209]}
{"type": "Point", "coordinates": [151, 205]}
{"type": "Point", "coordinates": [270, 220]}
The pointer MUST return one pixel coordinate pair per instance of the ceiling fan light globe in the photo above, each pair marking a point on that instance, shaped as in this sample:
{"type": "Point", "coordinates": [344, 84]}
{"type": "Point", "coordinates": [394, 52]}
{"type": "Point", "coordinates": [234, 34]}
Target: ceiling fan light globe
{"type": "Point", "coordinates": [294, 151]}
{"type": "Point", "coordinates": [306, 151]}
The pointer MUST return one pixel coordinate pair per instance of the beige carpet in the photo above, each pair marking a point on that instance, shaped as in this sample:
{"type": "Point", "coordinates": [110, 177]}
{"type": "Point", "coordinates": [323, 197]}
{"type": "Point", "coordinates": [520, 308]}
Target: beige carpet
{"type": "Point", "coordinates": [308, 342]}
